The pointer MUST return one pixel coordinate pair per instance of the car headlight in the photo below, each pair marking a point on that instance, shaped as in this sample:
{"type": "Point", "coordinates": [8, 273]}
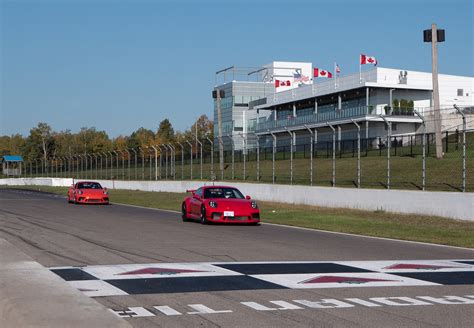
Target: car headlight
{"type": "Point", "coordinates": [212, 204]}
{"type": "Point", "coordinates": [79, 192]}
{"type": "Point", "coordinates": [254, 204]}
{"type": "Point", "coordinates": [106, 192]}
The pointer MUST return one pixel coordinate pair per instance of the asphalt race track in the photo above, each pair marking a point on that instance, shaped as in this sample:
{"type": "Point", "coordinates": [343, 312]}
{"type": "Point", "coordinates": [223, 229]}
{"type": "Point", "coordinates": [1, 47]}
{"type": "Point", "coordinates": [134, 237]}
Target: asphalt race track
{"type": "Point", "coordinates": [155, 270]}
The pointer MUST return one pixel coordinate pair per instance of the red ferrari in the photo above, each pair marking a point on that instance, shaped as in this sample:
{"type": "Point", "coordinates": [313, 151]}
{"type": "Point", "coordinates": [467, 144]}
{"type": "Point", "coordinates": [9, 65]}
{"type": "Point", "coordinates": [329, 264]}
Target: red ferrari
{"type": "Point", "coordinates": [220, 204]}
{"type": "Point", "coordinates": [87, 192]}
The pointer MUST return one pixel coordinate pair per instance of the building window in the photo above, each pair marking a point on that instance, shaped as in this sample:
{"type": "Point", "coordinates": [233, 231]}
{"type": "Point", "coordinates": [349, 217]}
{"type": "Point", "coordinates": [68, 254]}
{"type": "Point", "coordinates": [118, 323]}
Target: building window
{"type": "Point", "coordinates": [460, 92]}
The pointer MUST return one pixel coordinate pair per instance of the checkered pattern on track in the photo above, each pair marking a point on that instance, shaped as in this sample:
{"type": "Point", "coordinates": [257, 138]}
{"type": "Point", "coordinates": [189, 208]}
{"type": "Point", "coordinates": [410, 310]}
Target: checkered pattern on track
{"type": "Point", "coordinates": [129, 279]}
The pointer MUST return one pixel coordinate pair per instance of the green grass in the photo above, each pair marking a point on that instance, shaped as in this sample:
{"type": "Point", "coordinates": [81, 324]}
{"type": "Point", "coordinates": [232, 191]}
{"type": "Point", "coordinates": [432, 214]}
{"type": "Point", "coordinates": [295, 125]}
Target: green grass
{"type": "Point", "coordinates": [371, 223]}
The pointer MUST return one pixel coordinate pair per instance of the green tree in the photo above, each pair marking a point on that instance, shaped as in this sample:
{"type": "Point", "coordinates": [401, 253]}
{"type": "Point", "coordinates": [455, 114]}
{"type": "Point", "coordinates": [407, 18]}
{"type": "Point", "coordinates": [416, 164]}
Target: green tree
{"type": "Point", "coordinates": [141, 138]}
{"type": "Point", "coordinates": [165, 133]}
{"type": "Point", "coordinates": [40, 142]}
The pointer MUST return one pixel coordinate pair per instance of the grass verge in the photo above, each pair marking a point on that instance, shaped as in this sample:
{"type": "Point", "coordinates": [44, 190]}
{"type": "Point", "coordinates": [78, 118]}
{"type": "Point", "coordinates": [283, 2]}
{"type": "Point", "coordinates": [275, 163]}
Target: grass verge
{"type": "Point", "coordinates": [422, 228]}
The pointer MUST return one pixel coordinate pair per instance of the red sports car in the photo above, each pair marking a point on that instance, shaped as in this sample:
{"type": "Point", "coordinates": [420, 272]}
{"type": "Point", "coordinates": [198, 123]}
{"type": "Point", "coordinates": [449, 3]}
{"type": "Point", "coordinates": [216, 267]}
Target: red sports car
{"type": "Point", "coordinates": [220, 204]}
{"type": "Point", "coordinates": [87, 192]}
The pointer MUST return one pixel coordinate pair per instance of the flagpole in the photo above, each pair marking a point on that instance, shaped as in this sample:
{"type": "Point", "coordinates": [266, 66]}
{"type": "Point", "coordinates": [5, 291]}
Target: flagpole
{"type": "Point", "coordinates": [335, 76]}
{"type": "Point", "coordinates": [360, 69]}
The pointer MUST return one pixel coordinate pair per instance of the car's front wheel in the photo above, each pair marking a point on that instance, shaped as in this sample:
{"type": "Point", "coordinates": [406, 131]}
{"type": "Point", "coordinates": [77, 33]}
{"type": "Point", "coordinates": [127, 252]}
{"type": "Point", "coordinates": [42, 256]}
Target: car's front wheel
{"type": "Point", "coordinates": [184, 213]}
{"type": "Point", "coordinates": [203, 216]}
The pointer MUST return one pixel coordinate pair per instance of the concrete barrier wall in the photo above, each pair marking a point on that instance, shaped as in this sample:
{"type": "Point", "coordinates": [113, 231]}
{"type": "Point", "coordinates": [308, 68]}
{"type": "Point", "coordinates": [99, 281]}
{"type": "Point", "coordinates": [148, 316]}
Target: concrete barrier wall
{"type": "Point", "coordinates": [453, 205]}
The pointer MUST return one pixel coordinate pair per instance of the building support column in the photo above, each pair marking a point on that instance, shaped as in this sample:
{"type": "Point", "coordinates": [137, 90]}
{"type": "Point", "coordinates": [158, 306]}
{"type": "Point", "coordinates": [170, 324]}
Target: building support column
{"type": "Point", "coordinates": [339, 102]}
{"type": "Point", "coordinates": [315, 105]}
{"type": "Point", "coordinates": [294, 110]}
{"type": "Point", "coordinates": [339, 136]}
{"type": "Point", "coordinates": [367, 100]}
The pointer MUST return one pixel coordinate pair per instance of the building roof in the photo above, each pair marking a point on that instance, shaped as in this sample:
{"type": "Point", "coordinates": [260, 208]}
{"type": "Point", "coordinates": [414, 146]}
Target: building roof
{"type": "Point", "coordinates": [12, 158]}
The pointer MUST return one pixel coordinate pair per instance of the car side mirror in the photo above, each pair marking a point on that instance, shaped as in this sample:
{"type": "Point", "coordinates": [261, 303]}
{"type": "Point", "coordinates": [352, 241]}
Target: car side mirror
{"type": "Point", "coordinates": [247, 197]}
{"type": "Point", "coordinates": [196, 196]}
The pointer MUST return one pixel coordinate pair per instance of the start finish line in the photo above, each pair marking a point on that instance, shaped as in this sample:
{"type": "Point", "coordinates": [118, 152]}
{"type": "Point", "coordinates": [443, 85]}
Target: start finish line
{"type": "Point", "coordinates": [280, 305]}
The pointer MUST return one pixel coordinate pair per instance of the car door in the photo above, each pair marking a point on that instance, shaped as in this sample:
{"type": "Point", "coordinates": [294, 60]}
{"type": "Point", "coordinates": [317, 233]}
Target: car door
{"type": "Point", "coordinates": [196, 202]}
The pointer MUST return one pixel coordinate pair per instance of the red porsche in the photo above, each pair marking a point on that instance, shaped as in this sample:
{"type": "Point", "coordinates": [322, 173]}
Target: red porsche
{"type": "Point", "coordinates": [87, 192]}
{"type": "Point", "coordinates": [220, 204]}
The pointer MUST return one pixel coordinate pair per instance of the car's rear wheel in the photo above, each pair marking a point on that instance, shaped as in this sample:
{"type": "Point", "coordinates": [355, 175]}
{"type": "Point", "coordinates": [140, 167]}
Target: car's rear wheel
{"type": "Point", "coordinates": [184, 213]}
{"type": "Point", "coordinates": [203, 215]}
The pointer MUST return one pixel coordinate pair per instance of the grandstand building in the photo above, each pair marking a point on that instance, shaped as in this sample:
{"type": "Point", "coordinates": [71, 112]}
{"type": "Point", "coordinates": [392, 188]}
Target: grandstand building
{"type": "Point", "coordinates": [286, 100]}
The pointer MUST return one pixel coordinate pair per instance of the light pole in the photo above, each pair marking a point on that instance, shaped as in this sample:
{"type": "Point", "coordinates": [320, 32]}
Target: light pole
{"type": "Point", "coordinates": [434, 36]}
{"type": "Point", "coordinates": [218, 95]}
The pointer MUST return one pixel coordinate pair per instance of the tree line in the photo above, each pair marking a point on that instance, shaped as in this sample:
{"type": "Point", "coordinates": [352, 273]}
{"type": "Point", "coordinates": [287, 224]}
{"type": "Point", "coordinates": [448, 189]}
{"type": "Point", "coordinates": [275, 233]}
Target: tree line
{"type": "Point", "coordinates": [43, 142]}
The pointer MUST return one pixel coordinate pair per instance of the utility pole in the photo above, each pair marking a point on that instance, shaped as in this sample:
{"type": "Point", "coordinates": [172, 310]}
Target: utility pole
{"type": "Point", "coordinates": [217, 95]}
{"type": "Point", "coordinates": [434, 36]}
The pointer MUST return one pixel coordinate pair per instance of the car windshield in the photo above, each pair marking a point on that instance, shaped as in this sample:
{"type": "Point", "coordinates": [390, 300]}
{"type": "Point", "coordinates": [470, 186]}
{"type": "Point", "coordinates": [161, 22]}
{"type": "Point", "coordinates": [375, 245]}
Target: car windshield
{"type": "Point", "coordinates": [89, 185]}
{"type": "Point", "coordinates": [223, 193]}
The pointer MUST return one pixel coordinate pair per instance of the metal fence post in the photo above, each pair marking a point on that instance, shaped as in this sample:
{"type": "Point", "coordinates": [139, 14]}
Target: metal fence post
{"type": "Point", "coordinates": [291, 155]}
{"type": "Point", "coordinates": [182, 160]}
{"type": "Point", "coordinates": [389, 141]}
{"type": "Point", "coordinates": [423, 165]}
{"type": "Point", "coordinates": [245, 155]}
{"type": "Point", "coordinates": [221, 143]}
{"type": "Point", "coordinates": [258, 156]}
{"type": "Point", "coordinates": [212, 158]}
{"type": "Point", "coordinates": [200, 146]}
{"type": "Point", "coordinates": [311, 155]}
{"type": "Point", "coordinates": [273, 156]}
{"type": "Point", "coordinates": [333, 154]}
{"type": "Point", "coordinates": [191, 157]}
{"type": "Point", "coordinates": [358, 152]}
{"type": "Point", "coordinates": [128, 162]}
{"type": "Point", "coordinates": [156, 162]}
{"type": "Point", "coordinates": [233, 155]}
{"type": "Point", "coordinates": [463, 147]}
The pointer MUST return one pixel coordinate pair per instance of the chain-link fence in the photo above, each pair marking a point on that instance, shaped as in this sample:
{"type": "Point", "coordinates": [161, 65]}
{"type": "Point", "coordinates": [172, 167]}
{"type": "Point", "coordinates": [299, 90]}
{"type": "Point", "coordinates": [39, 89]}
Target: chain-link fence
{"type": "Point", "coordinates": [399, 161]}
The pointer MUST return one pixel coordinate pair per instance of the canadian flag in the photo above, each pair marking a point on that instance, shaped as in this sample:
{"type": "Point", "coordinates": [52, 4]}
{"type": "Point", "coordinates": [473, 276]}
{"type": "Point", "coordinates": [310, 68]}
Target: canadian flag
{"type": "Point", "coordinates": [321, 73]}
{"type": "Point", "coordinates": [367, 60]}
{"type": "Point", "coordinates": [280, 83]}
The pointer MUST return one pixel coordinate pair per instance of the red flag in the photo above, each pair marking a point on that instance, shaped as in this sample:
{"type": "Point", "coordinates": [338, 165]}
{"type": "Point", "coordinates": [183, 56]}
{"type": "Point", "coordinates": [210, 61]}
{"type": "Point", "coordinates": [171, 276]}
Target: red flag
{"type": "Point", "coordinates": [367, 60]}
{"type": "Point", "coordinates": [280, 83]}
{"type": "Point", "coordinates": [321, 73]}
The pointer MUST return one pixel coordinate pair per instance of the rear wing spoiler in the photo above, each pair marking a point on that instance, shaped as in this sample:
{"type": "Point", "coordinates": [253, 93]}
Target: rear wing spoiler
{"type": "Point", "coordinates": [191, 190]}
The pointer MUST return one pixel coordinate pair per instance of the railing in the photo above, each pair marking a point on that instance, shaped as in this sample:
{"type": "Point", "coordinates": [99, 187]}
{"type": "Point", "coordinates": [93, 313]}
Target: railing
{"type": "Point", "coordinates": [315, 118]}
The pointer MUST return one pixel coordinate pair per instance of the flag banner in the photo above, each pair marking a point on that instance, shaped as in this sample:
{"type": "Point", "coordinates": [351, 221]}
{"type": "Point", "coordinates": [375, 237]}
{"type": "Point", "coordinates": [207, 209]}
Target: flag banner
{"type": "Point", "coordinates": [280, 83]}
{"type": "Point", "coordinates": [367, 60]}
{"type": "Point", "coordinates": [322, 73]}
{"type": "Point", "coordinates": [338, 69]}
{"type": "Point", "coordinates": [300, 78]}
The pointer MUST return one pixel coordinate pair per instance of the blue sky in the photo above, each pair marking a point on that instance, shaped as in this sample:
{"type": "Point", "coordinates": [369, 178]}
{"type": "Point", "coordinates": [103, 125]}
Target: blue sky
{"type": "Point", "coordinates": [121, 65]}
